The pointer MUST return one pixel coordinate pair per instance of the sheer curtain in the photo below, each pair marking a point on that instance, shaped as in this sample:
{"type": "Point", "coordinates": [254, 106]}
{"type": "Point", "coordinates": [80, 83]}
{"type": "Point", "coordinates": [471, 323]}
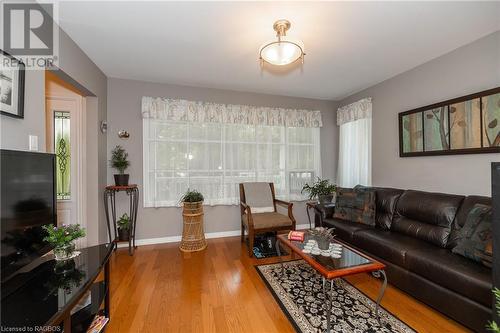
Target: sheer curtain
{"type": "Point", "coordinates": [355, 144]}
{"type": "Point", "coordinates": [214, 155]}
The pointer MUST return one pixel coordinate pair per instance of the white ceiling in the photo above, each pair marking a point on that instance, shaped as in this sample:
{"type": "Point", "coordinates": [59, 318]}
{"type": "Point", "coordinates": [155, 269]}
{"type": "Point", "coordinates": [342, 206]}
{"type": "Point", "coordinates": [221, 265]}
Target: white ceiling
{"type": "Point", "coordinates": [349, 45]}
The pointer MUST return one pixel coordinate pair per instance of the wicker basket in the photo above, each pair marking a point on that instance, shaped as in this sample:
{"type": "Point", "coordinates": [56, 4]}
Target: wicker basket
{"type": "Point", "coordinates": [193, 236]}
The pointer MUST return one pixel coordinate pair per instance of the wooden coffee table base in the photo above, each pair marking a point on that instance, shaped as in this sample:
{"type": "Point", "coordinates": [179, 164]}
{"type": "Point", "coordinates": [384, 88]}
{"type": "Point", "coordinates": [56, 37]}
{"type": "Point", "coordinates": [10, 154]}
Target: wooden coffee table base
{"type": "Point", "coordinates": [376, 271]}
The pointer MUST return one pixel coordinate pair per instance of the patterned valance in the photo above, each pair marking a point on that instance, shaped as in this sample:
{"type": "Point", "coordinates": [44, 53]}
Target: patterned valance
{"type": "Point", "coordinates": [354, 111]}
{"type": "Point", "coordinates": [191, 111]}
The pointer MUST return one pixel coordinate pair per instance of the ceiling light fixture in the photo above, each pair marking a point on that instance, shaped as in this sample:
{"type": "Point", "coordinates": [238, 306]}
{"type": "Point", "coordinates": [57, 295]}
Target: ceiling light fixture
{"type": "Point", "coordinates": [283, 51]}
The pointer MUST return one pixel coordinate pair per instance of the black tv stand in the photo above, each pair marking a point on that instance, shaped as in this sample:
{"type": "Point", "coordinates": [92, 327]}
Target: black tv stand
{"type": "Point", "coordinates": [58, 296]}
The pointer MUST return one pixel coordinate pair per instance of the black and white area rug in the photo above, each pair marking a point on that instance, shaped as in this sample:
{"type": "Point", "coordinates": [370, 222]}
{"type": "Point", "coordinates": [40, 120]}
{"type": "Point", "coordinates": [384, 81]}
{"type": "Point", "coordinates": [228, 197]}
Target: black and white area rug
{"type": "Point", "coordinates": [298, 290]}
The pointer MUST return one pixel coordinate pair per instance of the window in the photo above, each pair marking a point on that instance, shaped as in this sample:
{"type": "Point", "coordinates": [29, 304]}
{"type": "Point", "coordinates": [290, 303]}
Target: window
{"type": "Point", "coordinates": [355, 143]}
{"type": "Point", "coordinates": [214, 158]}
{"type": "Point", "coordinates": [63, 154]}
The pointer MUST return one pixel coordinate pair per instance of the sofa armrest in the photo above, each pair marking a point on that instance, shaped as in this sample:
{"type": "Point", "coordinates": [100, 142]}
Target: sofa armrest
{"type": "Point", "coordinates": [326, 212]}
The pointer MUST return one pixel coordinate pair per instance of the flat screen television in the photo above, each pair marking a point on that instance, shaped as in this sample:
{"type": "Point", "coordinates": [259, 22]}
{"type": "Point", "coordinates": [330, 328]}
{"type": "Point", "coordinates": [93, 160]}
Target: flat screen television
{"type": "Point", "coordinates": [495, 196]}
{"type": "Point", "coordinates": [28, 201]}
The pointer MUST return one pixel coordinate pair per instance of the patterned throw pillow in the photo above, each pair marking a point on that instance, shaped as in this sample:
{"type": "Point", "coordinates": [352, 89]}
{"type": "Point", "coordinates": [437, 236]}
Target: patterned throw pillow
{"type": "Point", "coordinates": [356, 206]}
{"type": "Point", "coordinates": [475, 238]}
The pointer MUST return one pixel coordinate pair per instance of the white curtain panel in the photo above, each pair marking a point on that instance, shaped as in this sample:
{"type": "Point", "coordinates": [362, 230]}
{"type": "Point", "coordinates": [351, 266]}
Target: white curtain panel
{"type": "Point", "coordinates": [355, 144]}
{"type": "Point", "coordinates": [214, 157]}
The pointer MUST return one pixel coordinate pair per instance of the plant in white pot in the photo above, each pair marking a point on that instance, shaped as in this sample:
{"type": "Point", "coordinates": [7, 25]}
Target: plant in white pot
{"type": "Point", "coordinates": [63, 239]}
{"type": "Point", "coordinates": [321, 189]}
{"type": "Point", "coordinates": [119, 161]}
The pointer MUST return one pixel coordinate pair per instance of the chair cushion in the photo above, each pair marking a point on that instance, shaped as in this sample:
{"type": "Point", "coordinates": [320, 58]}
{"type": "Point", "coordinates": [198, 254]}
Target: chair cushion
{"type": "Point", "coordinates": [475, 240]}
{"type": "Point", "coordinates": [452, 271]}
{"type": "Point", "coordinates": [355, 206]}
{"type": "Point", "coordinates": [259, 197]}
{"type": "Point", "coordinates": [344, 229]}
{"type": "Point", "coordinates": [388, 245]}
{"type": "Point", "coordinates": [268, 220]}
{"type": "Point", "coordinates": [427, 216]}
{"type": "Point", "coordinates": [468, 203]}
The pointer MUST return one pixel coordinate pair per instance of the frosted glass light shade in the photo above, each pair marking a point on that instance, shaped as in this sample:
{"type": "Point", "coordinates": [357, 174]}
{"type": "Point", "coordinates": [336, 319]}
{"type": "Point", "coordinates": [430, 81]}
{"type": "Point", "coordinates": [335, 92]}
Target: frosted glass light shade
{"type": "Point", "coordinates": [282, 52]}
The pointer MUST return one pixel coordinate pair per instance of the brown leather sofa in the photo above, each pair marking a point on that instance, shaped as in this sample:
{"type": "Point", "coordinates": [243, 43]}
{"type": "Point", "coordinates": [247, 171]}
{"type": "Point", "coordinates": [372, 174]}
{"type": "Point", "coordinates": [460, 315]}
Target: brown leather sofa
{"type": "Point", "coordinates": [414, 234]}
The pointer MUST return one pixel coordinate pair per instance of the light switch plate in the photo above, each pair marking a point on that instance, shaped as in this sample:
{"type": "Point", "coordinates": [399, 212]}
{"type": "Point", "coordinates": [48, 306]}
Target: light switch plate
{"type": "Point", "coordinates": [33, 143]}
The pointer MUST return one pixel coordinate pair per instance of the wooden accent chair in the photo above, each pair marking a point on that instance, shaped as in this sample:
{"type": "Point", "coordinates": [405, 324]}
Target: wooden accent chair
{"type": "Point", "coordinates": [259, 214]}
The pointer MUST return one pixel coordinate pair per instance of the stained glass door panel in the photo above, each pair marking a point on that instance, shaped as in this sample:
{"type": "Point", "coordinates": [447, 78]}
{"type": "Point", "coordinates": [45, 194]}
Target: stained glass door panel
{"type": "Point", "coordinates": [62, 149]}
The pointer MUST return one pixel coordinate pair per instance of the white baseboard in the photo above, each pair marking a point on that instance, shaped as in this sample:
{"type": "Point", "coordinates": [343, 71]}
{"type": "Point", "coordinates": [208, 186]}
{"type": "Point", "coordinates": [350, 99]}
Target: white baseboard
{"type": "Point", "coordinates": [173, 239]}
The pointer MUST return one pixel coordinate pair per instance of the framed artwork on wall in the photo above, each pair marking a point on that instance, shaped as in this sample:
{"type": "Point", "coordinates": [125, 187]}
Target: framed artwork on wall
{"type": "Point", "coordinates": [465, 125]}
{"type": "Point", "coordinates": [11, 86]}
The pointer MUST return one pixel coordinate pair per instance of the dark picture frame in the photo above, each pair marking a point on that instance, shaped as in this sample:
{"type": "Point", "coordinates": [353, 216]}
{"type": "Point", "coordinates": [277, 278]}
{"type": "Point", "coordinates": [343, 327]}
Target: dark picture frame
{"type": "Point", "coordinates": [12, 87]}
{"type": "Point", "coordinates": [464, 125]}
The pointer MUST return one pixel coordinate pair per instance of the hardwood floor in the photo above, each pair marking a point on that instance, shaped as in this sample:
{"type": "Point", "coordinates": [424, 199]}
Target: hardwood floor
{"type": "Point", "coordinates": [161, 289]}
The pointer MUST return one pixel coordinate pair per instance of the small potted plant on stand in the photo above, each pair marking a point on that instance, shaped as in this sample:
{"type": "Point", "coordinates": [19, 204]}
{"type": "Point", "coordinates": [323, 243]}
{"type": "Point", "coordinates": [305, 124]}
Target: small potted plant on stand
{"type": "Point", "coordinates": [322, 189]}
{"type": "Point", "coordinates": [124, 227]}
{"type": "Point", "coordinates": [63, 239]}
{"type": "Point", "coordinates": [193, 236]}
{"type": "Point", "coordinates": [119, 161]}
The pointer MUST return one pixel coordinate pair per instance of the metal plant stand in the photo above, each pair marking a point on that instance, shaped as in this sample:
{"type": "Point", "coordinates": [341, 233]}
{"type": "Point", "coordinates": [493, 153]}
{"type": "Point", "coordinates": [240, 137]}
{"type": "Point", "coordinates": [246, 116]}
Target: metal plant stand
{"type": "Point", "coordinates": [132, 192]}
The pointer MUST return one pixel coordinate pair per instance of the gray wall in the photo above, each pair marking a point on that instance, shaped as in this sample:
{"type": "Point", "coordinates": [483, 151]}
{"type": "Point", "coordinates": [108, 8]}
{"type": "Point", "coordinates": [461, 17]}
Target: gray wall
{"type": "Point", "coordinates": [124, 105]}
{"type": "Point", "coordinates": [15, 132]}
{"type": "Point", "coordinates": [469, 69]}
{"type": "Point", "coordinates": [77, 65]}
{"type": "Point", "coordinates": [86, 75]}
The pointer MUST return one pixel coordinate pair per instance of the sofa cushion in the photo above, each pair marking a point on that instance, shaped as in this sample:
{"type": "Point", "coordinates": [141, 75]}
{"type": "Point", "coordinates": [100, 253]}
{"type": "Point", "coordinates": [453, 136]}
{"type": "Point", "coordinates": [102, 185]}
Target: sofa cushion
{"type": "Point", "coordinates": [468, 203]}
{"type": "Point", "coordinates": [475, 240]}
{"type": "Point", "coordinates": [426, 216]}
{"type": "Point", "coordinates": [385, 201]}
{"type": "Point", "coordinates": [452, 271]}
{"type": "Point", "coordinates": [355, 206]}
{"type": "Point", "coordinates": [388, 245]}
{"type": "Point", "coordinates": [344, 229]}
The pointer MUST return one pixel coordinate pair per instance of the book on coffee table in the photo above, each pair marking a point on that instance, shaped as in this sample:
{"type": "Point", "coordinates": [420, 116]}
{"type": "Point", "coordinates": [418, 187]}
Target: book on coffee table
{"type": "Point", "coordinates": [297, 236]}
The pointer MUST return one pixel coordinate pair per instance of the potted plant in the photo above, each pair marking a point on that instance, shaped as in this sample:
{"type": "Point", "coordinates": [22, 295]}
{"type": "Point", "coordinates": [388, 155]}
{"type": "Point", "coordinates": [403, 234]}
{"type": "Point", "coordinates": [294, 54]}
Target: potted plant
{"type": "Point", "coordinates": [193, 236]}
{"type": "Point", "coordinates": [124, 227]}
{"type": "Point", "coordinates": [322, 189]}
{"type": "Point", "coordinates": [119, 161]}
{"type": "Point", "coordinates": [492, 325]}
{"type": "Point", "coordinates": [324, 236]}
{"type": "Point", "coordinates": [62, 238]}
{"type": "Point", "coordinates": [192, 200]}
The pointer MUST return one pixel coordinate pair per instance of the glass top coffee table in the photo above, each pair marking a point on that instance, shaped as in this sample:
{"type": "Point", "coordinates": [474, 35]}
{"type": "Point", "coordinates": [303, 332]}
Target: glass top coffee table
{"type": "Point", "coordinates": [350, 261]}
